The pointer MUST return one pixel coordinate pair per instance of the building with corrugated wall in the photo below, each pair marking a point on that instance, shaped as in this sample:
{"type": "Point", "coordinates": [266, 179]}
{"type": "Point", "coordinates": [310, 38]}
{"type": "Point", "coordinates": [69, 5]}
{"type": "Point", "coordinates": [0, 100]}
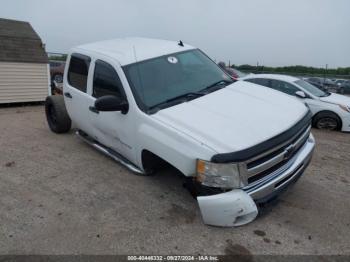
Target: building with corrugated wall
{"type": "Point", "coordinates": [24, 69]}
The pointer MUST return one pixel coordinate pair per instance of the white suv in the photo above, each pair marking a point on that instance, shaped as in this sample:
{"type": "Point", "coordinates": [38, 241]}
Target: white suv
{"type": "Point", "coordinates": [145, 102]}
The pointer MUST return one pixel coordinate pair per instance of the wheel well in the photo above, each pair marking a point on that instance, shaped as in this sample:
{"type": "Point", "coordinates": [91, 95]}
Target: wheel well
{"type": "Point", "coordinates": [152, 163]}
{"type": "Point", "coordinates": [326, 112]}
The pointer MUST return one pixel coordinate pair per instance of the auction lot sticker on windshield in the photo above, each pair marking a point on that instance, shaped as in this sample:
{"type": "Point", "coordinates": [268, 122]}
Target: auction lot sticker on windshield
{"type": "Point", "coordinates": [172, 60]}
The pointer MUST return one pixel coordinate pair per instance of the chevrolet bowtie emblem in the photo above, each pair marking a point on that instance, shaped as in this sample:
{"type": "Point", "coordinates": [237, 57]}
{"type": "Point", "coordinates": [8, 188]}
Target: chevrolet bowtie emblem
{"type": "Point", "coordinates": [289, 151]}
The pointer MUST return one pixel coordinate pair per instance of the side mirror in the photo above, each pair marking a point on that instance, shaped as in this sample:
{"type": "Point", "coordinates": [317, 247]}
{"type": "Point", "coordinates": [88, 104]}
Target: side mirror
{"type": "Point", "coordinates": [111, 103]}
{"type": "Point", "coordinates": [300, 94]}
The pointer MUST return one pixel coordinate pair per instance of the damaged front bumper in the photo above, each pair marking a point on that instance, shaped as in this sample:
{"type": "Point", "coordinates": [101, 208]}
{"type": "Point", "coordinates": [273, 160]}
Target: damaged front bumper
{"type": "Point", "coordinates": [239, 206]}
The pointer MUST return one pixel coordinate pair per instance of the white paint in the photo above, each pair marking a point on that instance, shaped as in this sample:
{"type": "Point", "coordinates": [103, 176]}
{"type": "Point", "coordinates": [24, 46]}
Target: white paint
{"type": "Point", "coordinates": [236, 117]}
{"type": "Point", "coordinates": [122, 49]}
{"type": "Point", "coordinates": [48, 80]}
{"type": "Point", "coordinates": [316, 104]}
{"type": "Point", "coordinates": [234, 208]}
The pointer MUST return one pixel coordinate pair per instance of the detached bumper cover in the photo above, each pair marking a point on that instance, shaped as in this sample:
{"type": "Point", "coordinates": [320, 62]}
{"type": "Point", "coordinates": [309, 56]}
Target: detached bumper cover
{"type": "Point", "coordinates": [238, 207]}
{"type": "Point", "coordinates": [234, 208]}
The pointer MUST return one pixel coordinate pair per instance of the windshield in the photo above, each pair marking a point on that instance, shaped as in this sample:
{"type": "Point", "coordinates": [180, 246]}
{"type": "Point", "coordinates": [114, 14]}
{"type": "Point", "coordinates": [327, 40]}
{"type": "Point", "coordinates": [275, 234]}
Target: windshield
{"type": "Point", "coordinates": [165, 78]}
{"type": "Point", "coordinates": [311, 88]}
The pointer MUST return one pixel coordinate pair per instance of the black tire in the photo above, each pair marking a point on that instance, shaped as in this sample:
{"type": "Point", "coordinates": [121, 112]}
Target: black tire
{"type": "Point", "coordinates": [341, 91]}
{"type": "Point", "coordinates": [56, 114]}
{"type": "Point", "coordinates": [327, 120]}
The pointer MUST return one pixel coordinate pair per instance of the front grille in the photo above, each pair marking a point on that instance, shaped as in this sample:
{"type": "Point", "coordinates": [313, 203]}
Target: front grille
{"type": "Point", "coordinates": [259, 167]}
{"type": "Point", "coordinates": [266, 172]}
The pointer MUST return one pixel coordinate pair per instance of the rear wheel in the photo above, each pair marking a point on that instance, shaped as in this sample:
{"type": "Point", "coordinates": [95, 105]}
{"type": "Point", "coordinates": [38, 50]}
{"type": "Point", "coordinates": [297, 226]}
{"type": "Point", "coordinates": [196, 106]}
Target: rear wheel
{"type": "Point", "coordinates": [327, 120]}
{"type": "Point", "coordinates": [56, 114]}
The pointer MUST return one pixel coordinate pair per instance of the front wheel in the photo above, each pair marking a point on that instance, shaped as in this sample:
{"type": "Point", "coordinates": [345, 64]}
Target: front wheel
{"type": "Point", "coordinates": [328, 121]}
{"type": "Point", "coordinates": [56, 114]}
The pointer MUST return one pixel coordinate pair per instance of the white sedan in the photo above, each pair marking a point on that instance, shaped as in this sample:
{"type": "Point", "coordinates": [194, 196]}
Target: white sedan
{"type": "Point", "coordinates": [330, 111]}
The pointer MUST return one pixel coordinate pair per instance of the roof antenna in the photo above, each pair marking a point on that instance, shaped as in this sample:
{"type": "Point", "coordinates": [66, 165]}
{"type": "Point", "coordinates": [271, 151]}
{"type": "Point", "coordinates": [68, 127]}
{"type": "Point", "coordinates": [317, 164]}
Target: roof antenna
{"type": "Point", "coordinates": [180, 43]}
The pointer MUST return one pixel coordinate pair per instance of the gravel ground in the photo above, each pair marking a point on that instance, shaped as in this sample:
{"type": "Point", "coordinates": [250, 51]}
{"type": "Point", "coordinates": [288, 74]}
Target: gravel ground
{"type": "Point", "coordinates": [60, 196]}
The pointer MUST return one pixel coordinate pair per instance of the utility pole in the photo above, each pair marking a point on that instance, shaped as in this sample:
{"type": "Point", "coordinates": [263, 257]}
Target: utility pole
{"type": "Point", "coordinates": [257, 67]}
{"type": "Point", "coordinates": [325, 73]}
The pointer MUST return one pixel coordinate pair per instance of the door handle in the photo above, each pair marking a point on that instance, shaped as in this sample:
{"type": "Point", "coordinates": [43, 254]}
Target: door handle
{"type": "Point", "coordinates": [94, 110]}
{"type": "Point", "coordinates": [68, 95]}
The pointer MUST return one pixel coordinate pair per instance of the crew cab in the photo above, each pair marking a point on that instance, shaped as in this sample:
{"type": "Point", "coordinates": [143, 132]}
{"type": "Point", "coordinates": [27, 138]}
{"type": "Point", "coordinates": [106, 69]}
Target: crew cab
{"type": "Point", "coordinates": [145, 102]}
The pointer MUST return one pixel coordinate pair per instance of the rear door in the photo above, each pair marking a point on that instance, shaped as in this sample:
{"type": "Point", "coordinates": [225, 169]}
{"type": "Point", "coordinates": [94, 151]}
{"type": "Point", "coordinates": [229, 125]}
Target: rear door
{"type": "Point", "coordinates": [75, 91]}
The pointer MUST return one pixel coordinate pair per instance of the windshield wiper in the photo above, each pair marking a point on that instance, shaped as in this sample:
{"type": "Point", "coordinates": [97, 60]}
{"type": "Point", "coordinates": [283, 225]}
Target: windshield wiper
{"type": "Point", "coordinates": [189, 96]}
{"type": "Point", "coordinates": [216, 86]}
{"type": "Point", "coordinates": [175, 100]}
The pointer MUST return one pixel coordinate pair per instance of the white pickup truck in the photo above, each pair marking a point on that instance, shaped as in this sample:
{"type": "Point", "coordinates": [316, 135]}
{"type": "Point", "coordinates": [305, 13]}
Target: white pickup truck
{"type": "Point", "coordinates": [145, 102]}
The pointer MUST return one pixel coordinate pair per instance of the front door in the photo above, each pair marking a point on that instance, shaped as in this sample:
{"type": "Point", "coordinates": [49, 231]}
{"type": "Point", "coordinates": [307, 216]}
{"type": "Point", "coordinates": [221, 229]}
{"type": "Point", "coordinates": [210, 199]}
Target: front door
{"type": "Point", "coordinates": [113, 129]}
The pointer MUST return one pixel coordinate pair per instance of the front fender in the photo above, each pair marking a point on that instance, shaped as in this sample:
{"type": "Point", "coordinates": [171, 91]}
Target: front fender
{"type": "Point", "coordinates": [178, 149]}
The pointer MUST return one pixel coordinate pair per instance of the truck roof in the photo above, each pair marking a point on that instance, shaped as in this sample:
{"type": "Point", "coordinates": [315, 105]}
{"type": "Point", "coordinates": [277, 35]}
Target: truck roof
{"type": "Point", "coordinates": [133, 49]}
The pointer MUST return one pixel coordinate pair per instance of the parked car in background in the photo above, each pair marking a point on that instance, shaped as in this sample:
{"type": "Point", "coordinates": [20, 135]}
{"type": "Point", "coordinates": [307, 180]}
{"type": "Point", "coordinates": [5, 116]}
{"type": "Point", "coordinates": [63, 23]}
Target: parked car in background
{"type": "Point", "coordinates": [234, 73]}
{"type": "Point", "coordinates": [329, 110]}
{"type": "Point", "coordinates": [343, 84]}
{"type": "Point", "coordinates": [325, 84]}
{"type": "Point", "coordinates": [57, 70]}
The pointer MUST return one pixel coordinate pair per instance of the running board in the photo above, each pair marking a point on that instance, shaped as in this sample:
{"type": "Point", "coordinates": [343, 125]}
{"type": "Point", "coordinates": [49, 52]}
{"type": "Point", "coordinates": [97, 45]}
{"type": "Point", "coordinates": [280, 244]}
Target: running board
{"type": "Point", "coordinates": [109, 152]}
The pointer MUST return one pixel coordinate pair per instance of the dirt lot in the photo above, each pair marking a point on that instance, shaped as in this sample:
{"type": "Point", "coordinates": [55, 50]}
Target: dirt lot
{"type": "Point", "coordinates": [59, 196]}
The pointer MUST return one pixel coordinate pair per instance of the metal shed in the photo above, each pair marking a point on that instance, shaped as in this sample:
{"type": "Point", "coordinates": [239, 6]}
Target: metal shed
{"type": "Point", "coordinates": [24, 69]}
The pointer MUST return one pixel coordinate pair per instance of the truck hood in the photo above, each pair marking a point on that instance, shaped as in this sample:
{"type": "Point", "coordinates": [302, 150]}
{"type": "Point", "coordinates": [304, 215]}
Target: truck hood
{"type": "Point", "coordinates": [336, 99]}
{"type": "Point", "coordinates": [236, 117]}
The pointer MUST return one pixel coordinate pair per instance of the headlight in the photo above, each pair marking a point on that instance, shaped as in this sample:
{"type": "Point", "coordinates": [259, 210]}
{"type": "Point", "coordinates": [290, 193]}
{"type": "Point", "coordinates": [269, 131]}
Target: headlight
{"type": "Point", "coordinates": [218, 175]}
{"type": "Point", "coordinates": [345, 108]}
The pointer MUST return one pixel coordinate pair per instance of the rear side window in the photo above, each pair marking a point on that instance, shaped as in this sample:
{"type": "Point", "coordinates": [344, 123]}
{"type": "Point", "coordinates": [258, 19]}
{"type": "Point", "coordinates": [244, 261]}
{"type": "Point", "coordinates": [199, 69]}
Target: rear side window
{"type": "Point", "coordinates": [106, 81]}
{"type": "Point", "coordinates": [78, 71]}
{"type": "Point", "coordinates": [260, 81]}
{"type": "Point", "coordinates": [284, 87]}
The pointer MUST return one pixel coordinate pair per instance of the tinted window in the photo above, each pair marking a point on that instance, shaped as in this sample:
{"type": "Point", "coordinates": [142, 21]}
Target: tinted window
{"type": "Point", "coordinates": [106, 80]}
{"type": "Point", "coordinates": [310, 88]}
{"type": "Point", "coordinates": [284, 87]}
{"type": "Point", "coordinates": [260, 81]}
{"type": "Point", "coordinates": [78, 71]}
{"type": "Point", "coordinates": [160, 79]}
